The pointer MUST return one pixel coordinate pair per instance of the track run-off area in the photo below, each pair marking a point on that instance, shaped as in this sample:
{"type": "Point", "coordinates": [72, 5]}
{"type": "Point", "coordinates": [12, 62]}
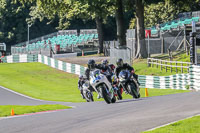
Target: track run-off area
{"type": "Point", "coordinates": [125, 116]}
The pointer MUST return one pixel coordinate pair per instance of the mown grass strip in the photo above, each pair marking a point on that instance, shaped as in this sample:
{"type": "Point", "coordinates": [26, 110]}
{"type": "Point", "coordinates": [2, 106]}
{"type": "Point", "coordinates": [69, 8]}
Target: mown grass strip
{"type": "Point", "coordinates": [5, 110]}
{"type": "Point", "coordinates": [190, 125]}
{"type": "Point", "coordinates": [40, 81]}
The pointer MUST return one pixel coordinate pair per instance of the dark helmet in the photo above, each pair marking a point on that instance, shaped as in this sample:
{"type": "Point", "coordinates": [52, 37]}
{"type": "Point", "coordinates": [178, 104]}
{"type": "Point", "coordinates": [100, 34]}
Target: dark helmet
{"type": "Point", "coordinates": [105, 62]}
{"type": "Point", "coordinates": [80, 76]}
{"type": "Point", "coordinates": [91, 64]}
{"type": "Point", "coordinates": [119, 62]}
{"type": "Point", "coordinates": [112, 66]}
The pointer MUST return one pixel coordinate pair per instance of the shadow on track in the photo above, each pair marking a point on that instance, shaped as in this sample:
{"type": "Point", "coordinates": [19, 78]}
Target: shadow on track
{"type": "Point", "coordinates": [130, 100]}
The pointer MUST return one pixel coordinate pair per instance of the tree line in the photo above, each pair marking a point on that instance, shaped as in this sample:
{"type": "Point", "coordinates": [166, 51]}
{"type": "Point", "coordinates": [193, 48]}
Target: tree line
{"type": "Point", "coordinates": [111, 17]}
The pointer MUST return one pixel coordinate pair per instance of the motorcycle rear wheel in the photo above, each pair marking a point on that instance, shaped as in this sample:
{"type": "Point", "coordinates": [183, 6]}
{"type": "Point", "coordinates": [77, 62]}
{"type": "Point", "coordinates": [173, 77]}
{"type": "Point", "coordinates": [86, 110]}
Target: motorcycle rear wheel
{"type": "Point", "coordinates": [119, 95]}
{"type": "Point", "coordinates": [113, 99]}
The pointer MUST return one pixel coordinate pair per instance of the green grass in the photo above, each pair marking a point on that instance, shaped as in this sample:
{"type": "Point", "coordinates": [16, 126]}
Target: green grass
{"type": "Point", "coordinates": [5, 110]}
{"type": "Point", "coordinates": [42, 82]}
{"type": "Point", "coordinates": [190, 125]}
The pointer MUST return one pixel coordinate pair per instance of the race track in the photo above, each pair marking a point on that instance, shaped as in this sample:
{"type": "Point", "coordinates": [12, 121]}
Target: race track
{"type": "Point", "coordinates": [126, 116]}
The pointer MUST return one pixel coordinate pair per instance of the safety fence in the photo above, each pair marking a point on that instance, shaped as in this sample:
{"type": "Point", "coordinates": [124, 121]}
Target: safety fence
{"type": "Point", "coordinates": [20, 58]}
{"type": "Point", "coordinates": [194, 77]}
{"type": "Point", "coordinates": [178, 81]}
{"type": "Point", "coordinates": [164, 64]}
{"type": "Point", "coordinates": [60, 65]}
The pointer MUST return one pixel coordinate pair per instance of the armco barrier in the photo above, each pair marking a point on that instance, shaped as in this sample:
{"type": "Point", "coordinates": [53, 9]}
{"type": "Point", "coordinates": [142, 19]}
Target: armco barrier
{"type": "Point", "coordinates": [178, 81]}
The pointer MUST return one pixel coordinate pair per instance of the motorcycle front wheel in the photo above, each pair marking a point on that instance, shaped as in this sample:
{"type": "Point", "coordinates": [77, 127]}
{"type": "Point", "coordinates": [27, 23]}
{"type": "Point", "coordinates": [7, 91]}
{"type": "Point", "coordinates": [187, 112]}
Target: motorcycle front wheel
{"type": "Point", "coordinates": [90, 96]}
{"type": "Point", "coordinates": [132, 88]}
{"type": "Point", "coordinates": [105, 94]}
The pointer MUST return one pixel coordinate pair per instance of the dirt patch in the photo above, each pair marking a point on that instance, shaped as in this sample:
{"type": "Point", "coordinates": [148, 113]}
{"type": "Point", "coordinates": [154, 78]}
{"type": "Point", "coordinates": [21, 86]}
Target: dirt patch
{"type": "Point", "coordinates": [83, 60]}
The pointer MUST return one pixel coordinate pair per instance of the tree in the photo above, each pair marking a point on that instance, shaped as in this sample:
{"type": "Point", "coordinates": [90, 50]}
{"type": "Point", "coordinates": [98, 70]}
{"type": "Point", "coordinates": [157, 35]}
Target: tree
{"type": "Point", "coordinates": [141, 45]}
{"type": "Point", "coordinates": [159, 13]}
{"type": "Point", "coordinates": [68, 10]}
{"type": "Point", "coordinates": [13, 24]}
{"type": "Point", "coordinates": [185, 5]}
{"type": "Point", "coordinates": [98, 10]}
{"type": "Point", "coordinates": [119, 15]}
{"type": "Point", "coordinates": [11, 32]}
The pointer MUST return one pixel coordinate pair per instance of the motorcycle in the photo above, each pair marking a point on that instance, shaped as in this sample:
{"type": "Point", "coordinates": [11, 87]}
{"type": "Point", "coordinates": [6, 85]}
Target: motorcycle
{"type": "Point", "coordinates": [87, 93]}
{"type": "Point", "coordinates": [129, 83]}
{"type": "Point", "coordinates": [117, 91]}
{"type": "Point", "coordinates": [102, 86]}
{"type": "Point", "coordinates": [114, 83]}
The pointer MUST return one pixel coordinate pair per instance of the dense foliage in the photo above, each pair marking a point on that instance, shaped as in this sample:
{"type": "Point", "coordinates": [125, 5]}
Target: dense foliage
{"type": "Point", "coordinates": [110, 17]}
{"type": "Point", "coordinates": [161, 11]}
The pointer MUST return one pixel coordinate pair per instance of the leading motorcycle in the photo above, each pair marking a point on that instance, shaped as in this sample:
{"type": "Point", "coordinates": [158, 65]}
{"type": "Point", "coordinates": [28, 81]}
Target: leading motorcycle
{"type": "Point", "coordinates": [102, 86]}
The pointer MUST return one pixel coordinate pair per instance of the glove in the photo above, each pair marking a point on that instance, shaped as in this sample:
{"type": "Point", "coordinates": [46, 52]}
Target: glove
{"type": "Point", "coordinates": [133, 71]}
{"type": "Point", "coordinates": [117, 80]}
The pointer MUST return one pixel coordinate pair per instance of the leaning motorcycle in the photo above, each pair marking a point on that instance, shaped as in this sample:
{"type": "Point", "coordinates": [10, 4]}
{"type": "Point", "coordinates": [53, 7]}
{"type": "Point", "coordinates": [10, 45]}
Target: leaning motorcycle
{"type": "Point", "coordinates": [102, 86]}
{"type": "Point", "coordinates": [117, 91]}
{"type": "Point", "coordinates": [129, 83]}
{"type": "Point", "coordinates": [87, 93]}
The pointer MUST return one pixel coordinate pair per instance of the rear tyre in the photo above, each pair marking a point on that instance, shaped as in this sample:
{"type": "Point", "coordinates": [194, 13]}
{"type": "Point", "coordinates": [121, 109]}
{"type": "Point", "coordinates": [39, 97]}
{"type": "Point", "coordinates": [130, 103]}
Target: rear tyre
{"type": "Point", "coordinates": [113, 99]}
{"type": "Point", "coordinates": [119, 95]}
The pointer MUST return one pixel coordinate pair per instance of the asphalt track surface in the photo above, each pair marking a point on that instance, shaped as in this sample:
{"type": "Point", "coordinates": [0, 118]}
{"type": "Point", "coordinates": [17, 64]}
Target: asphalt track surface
{"type": "Point", "coordinates": [126, 116]}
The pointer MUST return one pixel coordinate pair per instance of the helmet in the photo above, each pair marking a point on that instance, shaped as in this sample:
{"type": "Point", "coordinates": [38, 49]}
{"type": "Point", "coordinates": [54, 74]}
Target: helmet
{"type": "Point", "coordinates": [112, 66]}
{"type": "Point", "coordinates": [91, 64]}
{"type": "Point", "coordinates": [119, 62]}
{"type": "Point", "coordinates": [105, 62]}
{"type": "Point", "coordinates": [81, 77]}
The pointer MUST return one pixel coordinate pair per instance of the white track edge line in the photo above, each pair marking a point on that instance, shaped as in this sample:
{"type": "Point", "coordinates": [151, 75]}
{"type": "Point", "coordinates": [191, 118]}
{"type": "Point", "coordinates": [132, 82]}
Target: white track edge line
{"type": "Point", "coordinates": [20, 94]}
{"type": "Point", "coordinates": [26, 115]}
{"type": "Point", "coordinates": [36, 113]}
{"type": "Point", "coordinates": [172, 122]}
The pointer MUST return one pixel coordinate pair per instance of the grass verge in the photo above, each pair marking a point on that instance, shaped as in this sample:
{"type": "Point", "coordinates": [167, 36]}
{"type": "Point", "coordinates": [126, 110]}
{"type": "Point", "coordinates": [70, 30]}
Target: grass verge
{"type": "Point", "coordinates": [5, 110]}
{"type": "Point", "coordinates": [42, 82]}
{"type": "Point", "coordinates": [190, 125]}
{"type": "Point", "coordinates": [142, 68]}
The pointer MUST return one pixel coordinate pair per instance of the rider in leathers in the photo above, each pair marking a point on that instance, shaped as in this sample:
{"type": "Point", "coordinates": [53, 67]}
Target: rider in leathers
{"type": "Point", "coordinates": [123, 66]}
{"type": "Point", "coordinates": [91, 66]}
{"type": "Point", "coordinates": [81, 81]}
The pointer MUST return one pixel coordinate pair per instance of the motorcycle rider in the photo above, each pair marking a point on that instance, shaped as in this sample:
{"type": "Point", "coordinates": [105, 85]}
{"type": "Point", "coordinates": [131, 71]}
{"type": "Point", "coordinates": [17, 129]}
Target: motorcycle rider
{"type": "Point", "coordinates": [108, 67]}
{"type": "Point", "coordinates": [123, 66]}
{"type": "Point", "coordinates": [81, 81]}
{"type": "Point", "coordinates": [92, 66]}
